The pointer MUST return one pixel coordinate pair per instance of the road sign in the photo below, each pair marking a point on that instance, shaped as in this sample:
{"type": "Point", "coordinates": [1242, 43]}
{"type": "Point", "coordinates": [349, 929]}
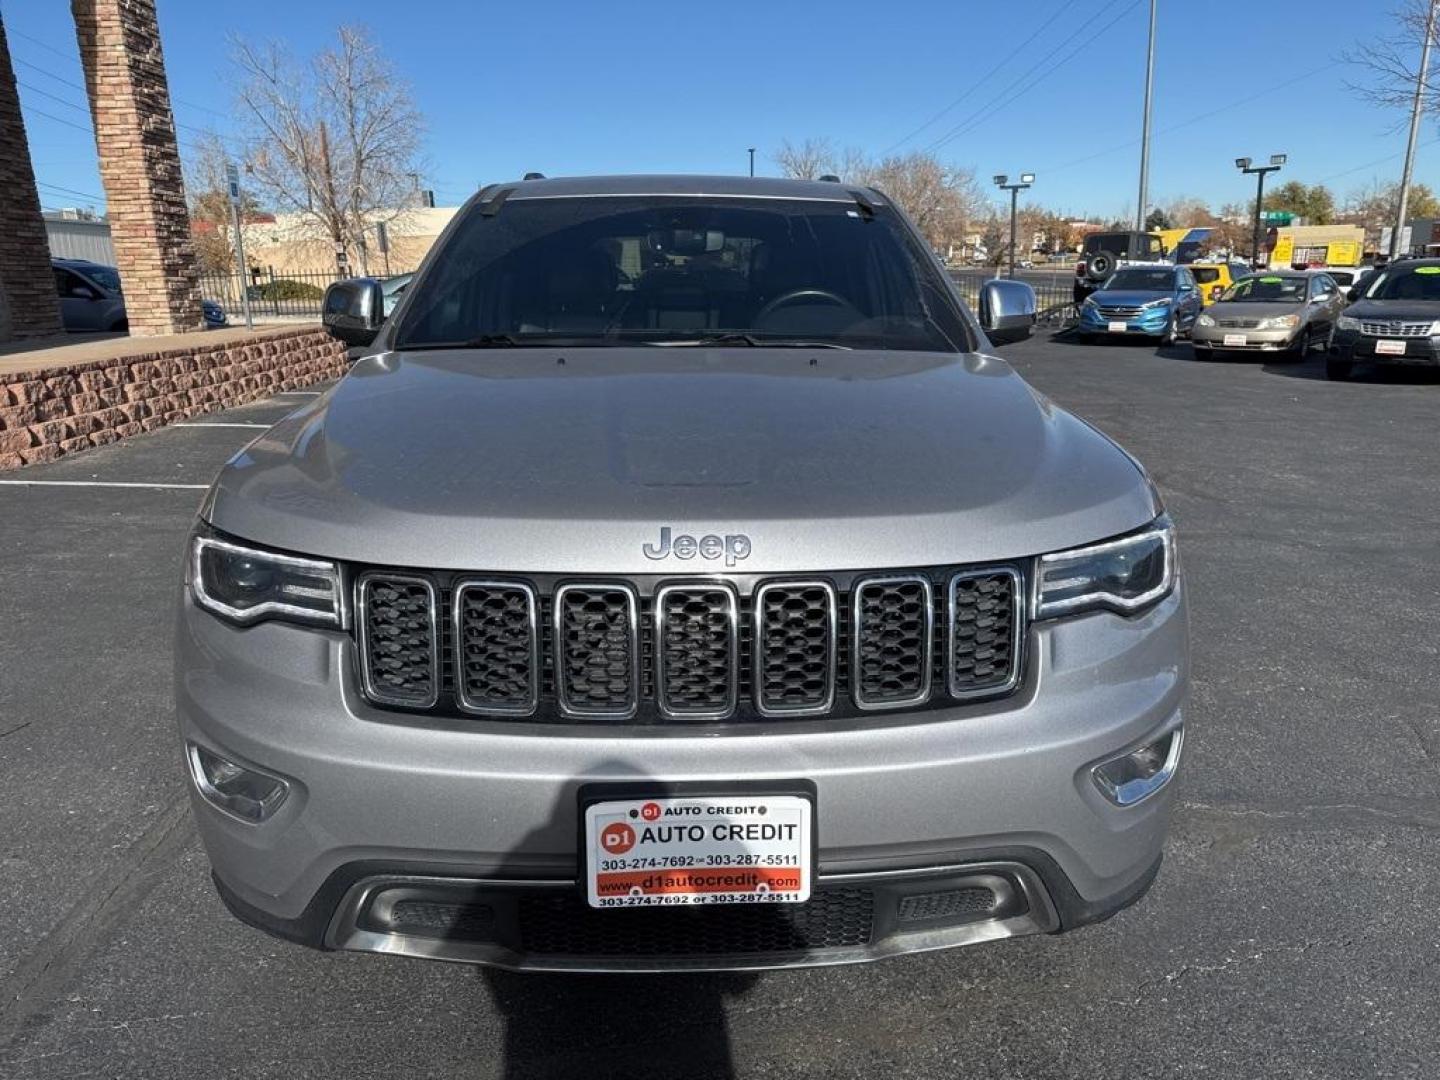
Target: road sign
{"type": "Point", "coordinates": [232, 182]}
{"type": "Point", "coordinates": [1278, 217]}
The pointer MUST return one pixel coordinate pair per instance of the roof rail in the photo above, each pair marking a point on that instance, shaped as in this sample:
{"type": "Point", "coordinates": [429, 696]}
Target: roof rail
{"type": "Point", "coordinates": [533, 176]}
{"type": "Point", "coordinates": [830, 178]}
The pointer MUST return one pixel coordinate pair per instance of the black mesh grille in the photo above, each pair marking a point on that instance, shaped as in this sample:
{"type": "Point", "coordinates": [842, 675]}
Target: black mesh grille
{"type": "Point", "coordinates": [892, 641]}
{"type": "Point", "coordinates": [567, 926]}
{"type": "Point", "coordinates": [795, 642]}
{"type": "Point", "coordinates": [430, 919]}
{"type": "Point", "coordinates": [596, 650]}
{"type": "Point", "coordinates": [497, 647]}
{"type": "Point", "coordinates": [400, 640]}
{"type": "Point", "coordinates": [698, 650]}
{"type": "Point", "coordinates": [985, 633]}
{"type": "Point", "coordinates": [949, 904]}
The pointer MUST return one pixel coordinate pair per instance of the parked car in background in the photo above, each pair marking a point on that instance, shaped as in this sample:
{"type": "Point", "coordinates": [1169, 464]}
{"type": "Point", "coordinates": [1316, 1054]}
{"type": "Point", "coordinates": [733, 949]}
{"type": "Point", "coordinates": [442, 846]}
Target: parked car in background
{"type": "Point", "coordinates": [91, 298]}
{"type": "Point", "coordinates": [1395, 321]}
{"type": "Point", "coordinates": [1157, 301]}
{"type": "Point", "coordinates": [1104, 253]}
{"type": "Point", "coordinates": [1288, 314]}
{"type": "Point", "coordinates": [1215, 277]}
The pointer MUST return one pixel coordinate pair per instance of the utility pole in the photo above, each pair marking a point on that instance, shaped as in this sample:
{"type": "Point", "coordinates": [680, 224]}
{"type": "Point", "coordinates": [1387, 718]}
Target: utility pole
{"type": "Point", "coordinates": [232, 186]}
{"type": "Point", "coordinates": [1416, 109]}
{"type": "Point", "coordinates": [1002, 181]}
{"type": "Point", "coordinates": [1243, 164]}
{"type": "Point", "coordinates": [752, 161]}
{"type": "Point", "coordinates": [1145, 129]}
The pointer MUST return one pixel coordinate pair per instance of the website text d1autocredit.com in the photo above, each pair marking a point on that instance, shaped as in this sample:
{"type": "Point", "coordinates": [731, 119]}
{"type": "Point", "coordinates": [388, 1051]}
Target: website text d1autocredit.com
{"type": "Point", "coordinates": [699, 881]}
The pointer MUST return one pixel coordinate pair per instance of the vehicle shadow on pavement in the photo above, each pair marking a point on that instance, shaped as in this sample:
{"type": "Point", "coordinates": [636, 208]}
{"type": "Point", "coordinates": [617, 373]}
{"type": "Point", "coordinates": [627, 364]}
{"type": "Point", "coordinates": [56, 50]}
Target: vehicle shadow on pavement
{"type": "Point", "coordinates": [1383, 374]}
{"type": "Point", "coordinates": [586, 1025]}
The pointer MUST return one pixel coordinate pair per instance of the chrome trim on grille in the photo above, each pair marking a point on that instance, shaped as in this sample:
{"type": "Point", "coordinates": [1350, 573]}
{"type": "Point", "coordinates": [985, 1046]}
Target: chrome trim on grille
{"type": "Point", "coordinates": [632, 606]}
{"type": "Point", "coordinates": [1395, 329]}
{"type": "Point", "coordinates": [732, 665]}
{"type": "Point", "coordinates": [857, 595]}
{"type": "Point", "coordinates": [831, 659]}
{"type": "Point", "coordinates": [362, 622]}
{"type": "Point", "coordinates": [1017, 632]}
{"type": "Point", "coordinates": [537, 660]}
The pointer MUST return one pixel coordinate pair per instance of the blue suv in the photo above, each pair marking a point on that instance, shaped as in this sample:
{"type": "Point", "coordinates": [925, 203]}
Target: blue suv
{"type": "Point", "coordinates": [1157, 301]}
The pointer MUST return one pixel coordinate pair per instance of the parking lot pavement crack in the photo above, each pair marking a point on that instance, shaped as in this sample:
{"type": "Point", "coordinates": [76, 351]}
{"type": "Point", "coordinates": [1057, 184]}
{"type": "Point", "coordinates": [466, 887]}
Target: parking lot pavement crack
{"type": "Point", "coordinates": [107, 902]}
{"type": "Point", "coordinates": [1231, 964]}
{"type": "Point", "coordinates": [17, 727]}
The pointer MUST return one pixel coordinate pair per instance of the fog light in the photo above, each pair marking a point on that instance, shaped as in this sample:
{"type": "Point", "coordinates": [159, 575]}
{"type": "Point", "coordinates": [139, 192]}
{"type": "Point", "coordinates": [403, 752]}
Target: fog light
{"type": "Point", "coordinates": [1128, 779]}
{"type": "Point", "coordinates": [240, 792]}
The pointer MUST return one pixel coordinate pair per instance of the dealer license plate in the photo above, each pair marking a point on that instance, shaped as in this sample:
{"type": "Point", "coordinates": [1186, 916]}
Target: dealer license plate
{"type": "Point", "coordinates": [723, 849]}
{"type": "Point", "coordinates": [1234, 339]}
{"type": "Point", "coordinates": [1118, 327]}
{"type": "Point", "coordinates": [1390, 348]}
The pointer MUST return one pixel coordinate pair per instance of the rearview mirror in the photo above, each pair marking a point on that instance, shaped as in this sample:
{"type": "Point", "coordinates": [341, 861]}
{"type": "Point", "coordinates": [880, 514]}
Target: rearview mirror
{"type": "Point", "coordinates": [353, 310]}
{"type": "Point", "coordinates": [1007, 310]}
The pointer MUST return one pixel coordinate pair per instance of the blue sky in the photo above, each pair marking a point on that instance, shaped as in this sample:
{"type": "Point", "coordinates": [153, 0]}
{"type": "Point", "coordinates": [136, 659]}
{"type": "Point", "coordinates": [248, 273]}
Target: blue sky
{"type": "Point", "coordinates": [580, 87]}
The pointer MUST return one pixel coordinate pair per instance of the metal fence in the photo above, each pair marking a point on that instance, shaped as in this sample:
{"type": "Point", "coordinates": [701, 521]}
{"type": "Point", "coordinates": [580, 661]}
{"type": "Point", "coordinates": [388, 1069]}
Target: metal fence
{"type": "Point", "coordinates": [1054, 285]}
{"type": "Point", "coordinates": [273, 294]}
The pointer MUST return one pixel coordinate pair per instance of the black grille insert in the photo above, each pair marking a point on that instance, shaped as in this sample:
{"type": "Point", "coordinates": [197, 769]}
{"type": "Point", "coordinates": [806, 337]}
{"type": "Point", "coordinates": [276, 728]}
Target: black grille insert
{"type": "Point", "coordinates": [892, 635]}
{"type": "Point", "coordinates": [795, 647]}
{"type": "Point", "coordinates": [497, 641]}
{"type": "Point", "coordinates": [697, 635]}
{"type": "Point", "coordinates": [985, 632]}
{"type": "Point", "coordinates": [399, 640]}
{"type": "Point", "coordinates": [597, 650]}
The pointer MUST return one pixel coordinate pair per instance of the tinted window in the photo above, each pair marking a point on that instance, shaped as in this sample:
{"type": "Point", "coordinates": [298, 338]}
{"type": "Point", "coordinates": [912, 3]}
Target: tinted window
{"type": "Point", "coordinates": [1159, 279]}
{"type": "Point", "coordinates": [1119, 243]}
{"type": "Point", "coordinates": [1205, 275]}
{"type": "Point", "coordinates": [661, 269]}
{"type": "Point", "coordinates": [1343, 278]}
{"type": "Point", "coordinates": [1269, 288]}
{"type": "Point", "coordinates": [1408, 283]}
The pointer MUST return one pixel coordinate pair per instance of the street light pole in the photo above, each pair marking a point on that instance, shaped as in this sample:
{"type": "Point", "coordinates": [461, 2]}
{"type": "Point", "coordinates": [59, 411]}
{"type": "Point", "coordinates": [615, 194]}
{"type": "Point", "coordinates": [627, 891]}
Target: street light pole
{"type": "Point", "coordinates": [1002, 181]}
{"type": "Point", "coordinates": [1416, 109]}
{"type": "Point", "coordinates": [1243, 164]}
{"type": "Point", "coordinates": [752, 161]}
{"type": "Point", "coordinates": [1145, 128]}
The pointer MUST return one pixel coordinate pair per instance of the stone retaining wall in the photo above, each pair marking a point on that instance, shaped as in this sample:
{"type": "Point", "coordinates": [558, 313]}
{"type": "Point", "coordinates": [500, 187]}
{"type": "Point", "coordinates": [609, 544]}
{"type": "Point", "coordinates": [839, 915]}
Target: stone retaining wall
{"type": "Point", "coordinates": [48, 412]}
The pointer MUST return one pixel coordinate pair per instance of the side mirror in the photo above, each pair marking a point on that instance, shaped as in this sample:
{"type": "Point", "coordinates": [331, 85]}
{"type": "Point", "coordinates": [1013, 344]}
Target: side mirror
{"type": "Point", "coordinates": [83, 292]}
{"type": "Point", "coordinates": [353, 310]}
{"type": "Point", "coordinates": [1353, 294]}
{"type": "Point", "coordinates": [1007, 310]}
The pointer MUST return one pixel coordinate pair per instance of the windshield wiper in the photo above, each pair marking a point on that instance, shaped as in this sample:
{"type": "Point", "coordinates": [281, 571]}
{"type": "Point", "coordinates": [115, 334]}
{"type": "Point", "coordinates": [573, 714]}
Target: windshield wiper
{"type": "Point", "coordinates": [510, 341]}
{"type": "Point", "coordinates": [737, 338]}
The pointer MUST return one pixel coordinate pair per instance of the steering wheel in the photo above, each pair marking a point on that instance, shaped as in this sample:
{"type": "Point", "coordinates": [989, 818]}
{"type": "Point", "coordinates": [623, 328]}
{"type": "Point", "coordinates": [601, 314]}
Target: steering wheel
{"type": "Point", "coordinates": [795, 295]}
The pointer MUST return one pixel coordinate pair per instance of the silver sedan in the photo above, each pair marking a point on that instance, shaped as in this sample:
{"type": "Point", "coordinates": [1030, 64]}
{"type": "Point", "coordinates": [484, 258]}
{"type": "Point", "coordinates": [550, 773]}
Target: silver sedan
{"type": "Point", "coordinates": [1289, 313]}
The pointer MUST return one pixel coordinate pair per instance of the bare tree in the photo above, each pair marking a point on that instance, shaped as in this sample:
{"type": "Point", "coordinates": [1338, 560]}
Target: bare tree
{"type": "Point", "coordinates": [1387, 66]}
{"type": "Point", "coordinates": [211, 226]}
{"type": "Point", "coordinates": [336, 140]}
{"type": "Point", "coordinates": [809, 161]}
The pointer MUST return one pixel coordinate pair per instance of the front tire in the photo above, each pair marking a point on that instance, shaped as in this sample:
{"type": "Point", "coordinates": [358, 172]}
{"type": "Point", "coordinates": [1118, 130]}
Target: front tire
{"type": "Point", "coordinates": [1297, 353]}
{"type": "Point", "coordinates": [1172, 331]}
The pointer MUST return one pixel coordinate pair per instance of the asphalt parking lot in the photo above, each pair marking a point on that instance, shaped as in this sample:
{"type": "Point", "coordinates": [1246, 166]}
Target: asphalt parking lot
{"type": "Point", "coordinates": [1294, 930]}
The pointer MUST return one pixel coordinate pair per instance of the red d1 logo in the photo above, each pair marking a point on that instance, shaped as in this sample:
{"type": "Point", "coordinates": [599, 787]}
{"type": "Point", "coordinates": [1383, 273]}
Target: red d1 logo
{"type": "Point", "coordinates": [617, 838]}
{"type": "Point", "coordinates": [650, 811]}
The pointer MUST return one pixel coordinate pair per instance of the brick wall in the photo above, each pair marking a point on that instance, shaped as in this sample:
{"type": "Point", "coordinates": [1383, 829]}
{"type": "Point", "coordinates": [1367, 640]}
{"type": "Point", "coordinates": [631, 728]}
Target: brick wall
{"type": "Point", "coordinates": [46, 413]}
{"type": "Point", "coordinates": [139, 163]}
{"type": "Point", "coordinates": [28, 304]}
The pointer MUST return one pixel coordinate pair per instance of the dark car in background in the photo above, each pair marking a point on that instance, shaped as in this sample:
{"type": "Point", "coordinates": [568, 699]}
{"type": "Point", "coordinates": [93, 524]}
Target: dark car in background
{"type": "Point", "coordinates": [91, 298]}
{"type": "Point", "coordinates": [1104, 253]}
{"type": "Point", "coordinates": [1394, 320]}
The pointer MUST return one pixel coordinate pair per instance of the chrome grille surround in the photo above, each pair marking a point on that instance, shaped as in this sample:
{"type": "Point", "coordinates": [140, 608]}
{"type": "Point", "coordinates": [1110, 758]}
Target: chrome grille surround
{"type": "Point", "coordinates": [858, 645]}
{"type": "Point", "coordinates": [1118, 311]}
{"type": "Point", "coordinates": [1395, 329]}
{"type": "Point", "coordinates": [1015, 644]}
{"type": "Point", "coordinates": [366, 627]}
{"type": "Point", "coordinates": [460, 625]}
{"type": "Point", "coordinates": [797, 647]}
{"type": "Point", "coordinates": [666, 633]}
{"type": "Point", "coordinates": [565, 676]}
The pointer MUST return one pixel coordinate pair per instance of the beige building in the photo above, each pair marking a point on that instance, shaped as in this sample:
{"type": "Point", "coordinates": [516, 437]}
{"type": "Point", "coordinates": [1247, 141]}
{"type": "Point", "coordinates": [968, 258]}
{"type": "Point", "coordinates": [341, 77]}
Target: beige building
{"type": "Point", "coordinates": [296, 244]}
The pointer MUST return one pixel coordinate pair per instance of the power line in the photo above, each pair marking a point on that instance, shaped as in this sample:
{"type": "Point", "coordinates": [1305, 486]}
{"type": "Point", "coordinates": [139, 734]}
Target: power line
{"type": "Point", "coordinates": [999, 102]}
{"type": "Point", "coordinates": [1060, 10]}
{"type": "Point", "coordinates": [86, 108]}
{"type": "Point", "coordinates": [1372, 164]}
{"type": "Point", "coordinates": [69, 191]}
{"type": "Point", "coordinates": [59, 120]}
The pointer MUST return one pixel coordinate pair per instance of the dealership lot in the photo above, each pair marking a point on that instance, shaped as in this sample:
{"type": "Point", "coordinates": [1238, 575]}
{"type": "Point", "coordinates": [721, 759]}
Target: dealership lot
{"type": "Point", "coordinates": [1293, 931]}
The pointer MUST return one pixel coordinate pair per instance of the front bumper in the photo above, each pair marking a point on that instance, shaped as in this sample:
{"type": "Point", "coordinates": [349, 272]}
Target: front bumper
{"type": "Point", "coordinates": [1152, 322]}
{"type": "Point", "coordinates": [1362, 349]}
{"type": "Point", "coordinates": [1244, 339]}
{"type": "Point", "coordinates": [922, 800]}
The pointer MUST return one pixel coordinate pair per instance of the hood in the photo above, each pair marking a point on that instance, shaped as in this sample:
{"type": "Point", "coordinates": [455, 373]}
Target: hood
{"type": "Point", "coordinates": [1129, 297]}
{"type": "Point", "coordinates": [536, 460]}
{"type": "Point", "coordinates": [1253, 309]}
{"type": "Point", "coordinates": [1395, 310]}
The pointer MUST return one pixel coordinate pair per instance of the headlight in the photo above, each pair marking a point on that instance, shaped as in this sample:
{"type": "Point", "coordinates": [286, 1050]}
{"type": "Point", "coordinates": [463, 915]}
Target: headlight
{"type": "Point", "coordinates": [1125, 575]}
{"type": "Point", "coordinates": [1279, 322]}
{"type": "Point", "coordinates": [1164, 301]}
{"type": "Point", "coordinates": [1345, 322]}
{"type": "Point", "coordinates": [247, 584]}
{"type": "Point", "coordinates": [1205, 320]}
{"type": "Point", "coordinates": [1435, 328]}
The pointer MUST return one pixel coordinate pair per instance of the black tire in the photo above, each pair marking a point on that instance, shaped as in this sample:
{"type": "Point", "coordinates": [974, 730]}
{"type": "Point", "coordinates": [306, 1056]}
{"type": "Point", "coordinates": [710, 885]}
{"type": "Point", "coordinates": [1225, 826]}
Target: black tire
{"type": "Point", "coordinates": [1172, 332]}
{"type": "Point", "coordinates": [1338, 370]}
{"type": "Point", "coordinates": [1204, 353]}
{"type": "Point", "coordinates": [1297, 353]}
{"type": "Point", "coordinates": [1101, 265]}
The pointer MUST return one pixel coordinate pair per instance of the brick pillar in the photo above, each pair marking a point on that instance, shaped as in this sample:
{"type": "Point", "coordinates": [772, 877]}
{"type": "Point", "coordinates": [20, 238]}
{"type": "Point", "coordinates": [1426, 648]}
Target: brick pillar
{"type": "Point", "coordinates": [28, 304]}
{"type": "Point", "coordinates": [139, 163]}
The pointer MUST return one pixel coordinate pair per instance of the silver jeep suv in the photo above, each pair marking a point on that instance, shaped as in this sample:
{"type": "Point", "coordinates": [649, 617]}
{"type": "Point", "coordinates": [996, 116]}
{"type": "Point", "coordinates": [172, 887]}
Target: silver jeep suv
{"type": "Point", "coordinates": [679, 582]}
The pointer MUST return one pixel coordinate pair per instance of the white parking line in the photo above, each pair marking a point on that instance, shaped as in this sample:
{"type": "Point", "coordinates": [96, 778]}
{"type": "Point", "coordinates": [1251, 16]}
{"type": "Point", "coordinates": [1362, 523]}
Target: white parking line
{"type": "Point", "coordinates": [225, 424]}
{"type": "Point", "coordinates": [105, 484]}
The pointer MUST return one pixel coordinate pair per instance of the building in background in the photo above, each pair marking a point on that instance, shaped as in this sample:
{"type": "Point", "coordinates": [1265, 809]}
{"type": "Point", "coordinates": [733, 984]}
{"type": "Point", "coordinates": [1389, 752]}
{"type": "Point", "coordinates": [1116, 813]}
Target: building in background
{"type": "Point", "coordinates": [295, 243]}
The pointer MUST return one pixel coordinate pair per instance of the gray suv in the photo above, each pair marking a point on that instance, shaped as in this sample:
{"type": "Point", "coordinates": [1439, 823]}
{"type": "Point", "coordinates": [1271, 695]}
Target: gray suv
{"type": "Point", "coordinates": [680, 583]}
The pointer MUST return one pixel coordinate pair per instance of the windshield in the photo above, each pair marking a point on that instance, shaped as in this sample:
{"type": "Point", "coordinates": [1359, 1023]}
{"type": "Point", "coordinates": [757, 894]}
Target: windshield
{"type": "Point", "coordinates": [1268, 289]}
{"type": "Point", "coordinates": [679, 270]}
{"type": "Point", "coordinates": [105, 276]}
{"type": "Point", "coordinates": [1153, 279]}
{"type": "Point", "coordinates": [1407, 283]}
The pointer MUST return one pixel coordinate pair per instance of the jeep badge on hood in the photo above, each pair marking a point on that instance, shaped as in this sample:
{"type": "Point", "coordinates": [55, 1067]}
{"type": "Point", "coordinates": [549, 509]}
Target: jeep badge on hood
{"type": "Point", "coordinates": [733, 546]}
